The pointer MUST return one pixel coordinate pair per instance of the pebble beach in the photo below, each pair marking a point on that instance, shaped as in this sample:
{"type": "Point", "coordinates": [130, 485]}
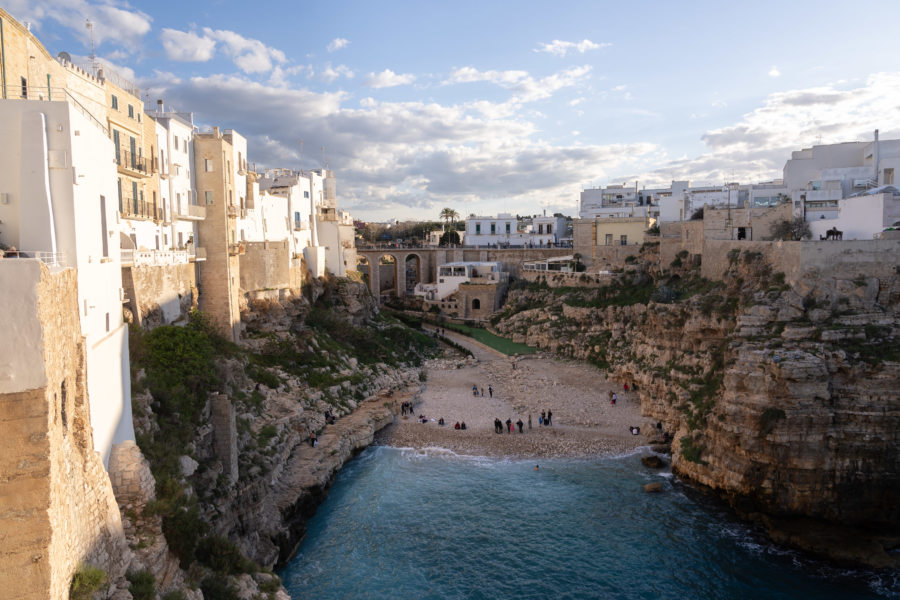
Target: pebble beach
{"type": "Point", "coordinates": [584, 423]}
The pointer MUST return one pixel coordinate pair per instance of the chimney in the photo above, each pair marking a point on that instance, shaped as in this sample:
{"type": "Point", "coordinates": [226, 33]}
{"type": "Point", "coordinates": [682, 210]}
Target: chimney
{"type": "Point", "coordinates": [216, 131]}
{"type": "Point", "coordinates": [159, 105]}
{"type": "Point", "coordinates": [876, 158]}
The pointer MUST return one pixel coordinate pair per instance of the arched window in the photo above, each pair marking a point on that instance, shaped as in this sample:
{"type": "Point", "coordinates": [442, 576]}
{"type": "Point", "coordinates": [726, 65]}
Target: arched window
{"type": "Point", "coordinates": [476, 303]}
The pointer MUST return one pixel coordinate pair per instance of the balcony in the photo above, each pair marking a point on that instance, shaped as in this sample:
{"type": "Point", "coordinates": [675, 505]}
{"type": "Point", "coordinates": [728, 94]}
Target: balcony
{"type": "Point", "coordinates": [236, 249]}
{"type": "Point", "coordinates": [132, 164]}
{"type": "Point", "coordinates": [231, 211]}
{"type": "Point", "coordinates": [140, 209]}
{"type": "Point", "coordinates": [191, 212]}
{"type": "Point", "coordinates": [196, 254]}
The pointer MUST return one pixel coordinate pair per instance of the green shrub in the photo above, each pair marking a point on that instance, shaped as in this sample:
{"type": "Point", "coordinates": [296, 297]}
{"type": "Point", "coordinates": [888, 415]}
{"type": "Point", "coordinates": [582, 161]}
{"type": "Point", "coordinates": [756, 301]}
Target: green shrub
{"type": "Point", "coordinates": [691, 450]}
{"type": "Point", "coordinates": [86, 580]}
{"type": "Point", "coordinates": [141, 584]}
{"type": "Point", "coordinates": [216, 588]}
{"type": "Point", "coordinates": [221, 555]}
{"type": "Point", "coordinates": [174, 595]}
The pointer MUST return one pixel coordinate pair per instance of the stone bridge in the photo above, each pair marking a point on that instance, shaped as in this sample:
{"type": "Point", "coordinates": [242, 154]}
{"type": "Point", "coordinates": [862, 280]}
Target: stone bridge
{"type": "Point", "coordinates": [424, 262]}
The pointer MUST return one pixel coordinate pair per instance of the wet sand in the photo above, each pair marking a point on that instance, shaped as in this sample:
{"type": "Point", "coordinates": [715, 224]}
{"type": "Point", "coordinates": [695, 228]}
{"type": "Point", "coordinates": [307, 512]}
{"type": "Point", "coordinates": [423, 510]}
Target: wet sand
{"type": "Point", "coordinates": [584, 423]}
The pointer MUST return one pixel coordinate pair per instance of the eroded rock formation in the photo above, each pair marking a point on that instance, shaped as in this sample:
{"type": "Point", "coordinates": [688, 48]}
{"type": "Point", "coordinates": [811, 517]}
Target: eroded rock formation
{"type": "Point", "coordinates": [784, 399]}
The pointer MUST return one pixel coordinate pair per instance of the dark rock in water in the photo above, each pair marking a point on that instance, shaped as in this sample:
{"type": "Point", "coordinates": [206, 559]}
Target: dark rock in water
{"type": "Point", "coordinates": [653, 461]}
{"type": "Point", "coordinates": [654, 488]}
{"type": "Point", "coordinates": [661, 448]}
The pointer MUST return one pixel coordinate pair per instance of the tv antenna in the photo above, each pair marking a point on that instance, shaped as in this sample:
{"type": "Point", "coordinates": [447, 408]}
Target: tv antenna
{"type": "Point", "coordinates": [301, 156]}
{"type": "Point", "coordinates": [89, 25]}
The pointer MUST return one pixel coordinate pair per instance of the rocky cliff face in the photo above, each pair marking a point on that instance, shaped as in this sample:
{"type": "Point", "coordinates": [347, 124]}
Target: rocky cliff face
{"type": "Point", "coordinates": [236, 473]}
{"type": "Point", "coordinates": [783, 399]}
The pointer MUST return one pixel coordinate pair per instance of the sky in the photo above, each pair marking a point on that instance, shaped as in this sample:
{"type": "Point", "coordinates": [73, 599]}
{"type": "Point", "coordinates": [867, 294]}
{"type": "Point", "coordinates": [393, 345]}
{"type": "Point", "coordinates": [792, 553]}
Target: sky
{"type": "Point", "coordinates": [498, 105]}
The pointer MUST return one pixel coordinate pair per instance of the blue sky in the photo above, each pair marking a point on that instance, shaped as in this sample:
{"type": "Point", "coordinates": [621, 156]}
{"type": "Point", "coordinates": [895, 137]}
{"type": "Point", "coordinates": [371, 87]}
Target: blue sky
{"type": "Point", "coordinates": [490, 107]}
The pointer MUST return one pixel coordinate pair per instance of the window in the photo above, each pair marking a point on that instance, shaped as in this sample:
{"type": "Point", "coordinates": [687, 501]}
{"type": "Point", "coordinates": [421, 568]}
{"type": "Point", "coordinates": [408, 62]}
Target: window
{"type": "Point", "coordinates": [118, 149]}
{"type": "Point", "coordinates": [476, 304]}
{"type": "Point", "coordinates": [624, 240]}
{"type": "Point", "coordinates": [119, 181]}
{"type": "Point", "coordinates": [477, 228]}
{"type": "Point", "coordinates": [104, 236]}
{"type": "Point", "coordinates": [24, 88]}
{"type": "Point", "coordinates": [549, 229]}
{"type": "Point", "coordinates": [609, 239]}
{"type": "Point", "coordinates": [889, 177]}
{"type": "Point", "coordinates": [296, 220]}
{"type": "Point", "coordinates": [207, 165]}
{"type": "Point", "coordinates": [134, 194]}
{"type": "Point", "coordinates": [130, 111]}
{"type": "Point", "coordinates": [107, 322]}
{"type": "Point", "coordinates": [507, 228]}
{"type": "Point", "coordinates": [306, 194]}
{"type": "Point", "coordinates": [493, 228]}
{"type": "Point", "coordinates": [115, 102]}
{"type": "Point", "coordinates": [176, 142]}
{"type": "Point", "coordinates": [209, 197]}
{"type": "Point", "coordinates": [540, 229]}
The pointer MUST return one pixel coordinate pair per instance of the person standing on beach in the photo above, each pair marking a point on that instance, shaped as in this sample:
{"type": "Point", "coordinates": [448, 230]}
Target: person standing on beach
{"type": "Point", "coordinates": [498, 426]}
{"type": "Point", "coordinates": [614, 398]}
{"type": "Point", "coordinates": [508, 425]}
{"type": "Point", "coordinates": [482, 392]}
{"type": "Point", "coordinates": [549, 417]}
{"type": "Point", "coordinates": [491, 391]}
{"type": "Point", "coordinates": [529, 420]}
{"type": "Point", "coordinates": [520, 424]}
{"type": "Point", "coordinates": [543, 418]}
{"type": "Point", "coordinates": [610, 395]}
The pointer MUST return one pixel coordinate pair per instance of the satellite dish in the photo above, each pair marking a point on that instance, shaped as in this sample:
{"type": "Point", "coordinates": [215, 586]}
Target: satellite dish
{"type": "Point", "coordinates": [64, 56]}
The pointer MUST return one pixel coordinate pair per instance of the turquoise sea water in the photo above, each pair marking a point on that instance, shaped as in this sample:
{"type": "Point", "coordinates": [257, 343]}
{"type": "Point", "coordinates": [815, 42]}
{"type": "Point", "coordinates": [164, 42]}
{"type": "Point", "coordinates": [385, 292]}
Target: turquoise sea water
{"type": "Point", "coordinates": [430, 524]}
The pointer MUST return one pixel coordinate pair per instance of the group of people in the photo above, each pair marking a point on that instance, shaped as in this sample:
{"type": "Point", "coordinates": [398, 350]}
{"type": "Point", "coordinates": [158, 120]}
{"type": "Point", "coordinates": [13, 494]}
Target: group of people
{"type": "Point", "coordinates": [546, 418]}
{"type": "Point", "coordinates": [406, 408]}
{"type": "Point", "coordinates": [490, 390]}
{"type": "Point", "coordinates": [510, 426]}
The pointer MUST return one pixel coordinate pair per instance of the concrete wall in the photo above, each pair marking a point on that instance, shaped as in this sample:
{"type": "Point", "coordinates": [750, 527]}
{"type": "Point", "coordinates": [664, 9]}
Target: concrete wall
{"type": "Point", "coordinates": [160, 295]}
{"type": "Point", "coordinates": [58, 508]}
{"type": "Point", "coordinates": [266, 265]}
{"type": "Point", "coordinates": [219, 274]}
{"type": "Point", "coordinates": [488, 297]}
{"type": "Point", "coordinates": [844, 259]}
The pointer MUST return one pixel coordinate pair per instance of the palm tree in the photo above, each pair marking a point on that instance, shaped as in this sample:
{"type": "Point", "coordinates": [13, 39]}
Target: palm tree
{"type": "Point", "coordinates": [448, 215]}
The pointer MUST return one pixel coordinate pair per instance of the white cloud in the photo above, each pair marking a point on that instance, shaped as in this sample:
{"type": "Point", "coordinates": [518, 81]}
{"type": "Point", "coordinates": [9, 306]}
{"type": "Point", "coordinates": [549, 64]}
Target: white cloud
{"type": "Point", "coordinates": [397, 156]}
{"type": "Point", "coordinates": [250, 56]}
{"type": "Point", "coordinates": [337, 44]}
{"type": "Point", "coordinates": [330, 73]}
{"type": "Point", "coordinates": [774, 72]}
{"type": "Point", "coordinates": [525, 87]}
{"type": "Point", "coordinates": [577, 101]}
{"type": "Point", "coordinates": [561, 48]}
{"type": "Point", "coordinates": [388, 78]}
{"type": "Point", "coordinates": [757, 146]}
{"type": "Point", "coordinates": [120, 25]}
{"type": "Point", "coordinates": [187, 46]}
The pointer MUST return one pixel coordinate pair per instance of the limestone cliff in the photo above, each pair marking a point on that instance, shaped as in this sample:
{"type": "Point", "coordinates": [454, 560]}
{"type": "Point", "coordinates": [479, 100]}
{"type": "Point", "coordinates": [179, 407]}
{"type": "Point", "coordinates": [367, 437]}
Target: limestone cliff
{"type": "Point", "coordinates": [227, 428]}
{"type": "Point", "coordinates": [783, 398]}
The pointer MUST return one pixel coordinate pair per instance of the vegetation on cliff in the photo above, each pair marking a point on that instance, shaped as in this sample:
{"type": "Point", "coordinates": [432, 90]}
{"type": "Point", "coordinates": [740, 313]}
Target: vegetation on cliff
{"type": "Point", "coordinates": [317, 356]}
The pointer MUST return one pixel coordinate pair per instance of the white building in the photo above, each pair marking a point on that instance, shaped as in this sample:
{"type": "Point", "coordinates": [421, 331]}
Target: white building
{"type": "Point", "coordinates": [450, 275]}
{"type": "Point", "coordinates": [547, 231]}
{"type": "Point", "coordinates": [58, 202]}
{"type": "Point", "coordinates": [177, 189]}
{"type": "Point", "coordinates": [846, 186]}
{"type": "Point", "coordinates": [502, 230]}
{"type": "Point", "coordinates": [618, 201]}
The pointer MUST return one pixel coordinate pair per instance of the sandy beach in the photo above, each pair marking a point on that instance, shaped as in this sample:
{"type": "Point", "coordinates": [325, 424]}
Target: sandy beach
{"type": "Point", "coordinates": [584, 423]}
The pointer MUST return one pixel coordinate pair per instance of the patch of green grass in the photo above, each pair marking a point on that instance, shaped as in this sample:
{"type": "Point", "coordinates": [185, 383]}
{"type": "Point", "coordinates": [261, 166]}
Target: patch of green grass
{"type": "Point", "coordinates": [86, 580]}
{"type": "Point", "coordinates": [496, 342]}
{"type": "Point", "coordinates": [692, 450]}
{"type": "Point", "coordinates": [141, 584]}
